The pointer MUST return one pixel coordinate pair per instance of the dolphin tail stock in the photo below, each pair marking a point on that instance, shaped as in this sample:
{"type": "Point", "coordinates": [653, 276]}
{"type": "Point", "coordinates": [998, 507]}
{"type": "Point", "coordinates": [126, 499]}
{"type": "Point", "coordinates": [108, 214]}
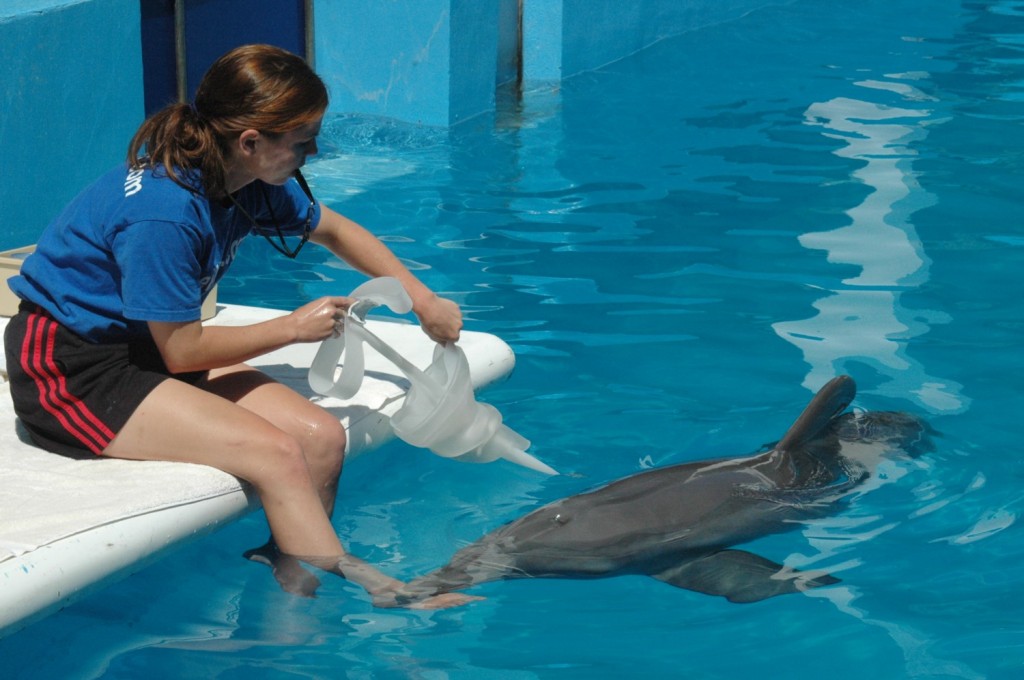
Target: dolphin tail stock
{"type": "Point", "coordinates": [742, 577]}
{"type": "Point", "coordinates": [830, 401]}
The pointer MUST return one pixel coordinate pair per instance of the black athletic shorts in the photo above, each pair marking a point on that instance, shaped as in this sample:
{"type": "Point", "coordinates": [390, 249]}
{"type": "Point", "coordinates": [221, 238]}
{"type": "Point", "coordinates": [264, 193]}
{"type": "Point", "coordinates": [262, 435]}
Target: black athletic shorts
{"type": "Point", "coordinates": [74, 396]}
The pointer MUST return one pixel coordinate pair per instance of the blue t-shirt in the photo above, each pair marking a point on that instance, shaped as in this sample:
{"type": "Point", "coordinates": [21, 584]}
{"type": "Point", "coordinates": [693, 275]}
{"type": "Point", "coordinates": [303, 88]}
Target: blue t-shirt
{"type": "Point", "coordinates": [137, 247]}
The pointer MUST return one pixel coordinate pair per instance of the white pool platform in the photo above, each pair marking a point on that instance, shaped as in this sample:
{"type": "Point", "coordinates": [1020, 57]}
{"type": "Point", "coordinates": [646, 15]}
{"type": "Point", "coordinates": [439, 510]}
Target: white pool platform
{"type": "Point", "coordinates": [69, 527]}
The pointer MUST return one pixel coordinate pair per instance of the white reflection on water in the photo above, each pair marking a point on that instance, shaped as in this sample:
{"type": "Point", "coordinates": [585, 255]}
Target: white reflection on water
{"type": "Point", "coordinates": [863, 319]}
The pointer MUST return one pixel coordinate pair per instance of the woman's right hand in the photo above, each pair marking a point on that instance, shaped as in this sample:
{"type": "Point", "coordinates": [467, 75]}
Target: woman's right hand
{"type": "Point", "coordinates": [320, 319]}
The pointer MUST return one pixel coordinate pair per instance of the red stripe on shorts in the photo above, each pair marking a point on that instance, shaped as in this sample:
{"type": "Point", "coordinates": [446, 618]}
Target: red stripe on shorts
{"type": "Point", "coordinates": [74, 416]}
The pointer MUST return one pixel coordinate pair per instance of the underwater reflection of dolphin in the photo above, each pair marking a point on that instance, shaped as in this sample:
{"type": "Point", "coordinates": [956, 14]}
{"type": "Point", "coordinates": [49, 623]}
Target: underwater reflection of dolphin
{"type": "Point", "coordinates": [677, 523]}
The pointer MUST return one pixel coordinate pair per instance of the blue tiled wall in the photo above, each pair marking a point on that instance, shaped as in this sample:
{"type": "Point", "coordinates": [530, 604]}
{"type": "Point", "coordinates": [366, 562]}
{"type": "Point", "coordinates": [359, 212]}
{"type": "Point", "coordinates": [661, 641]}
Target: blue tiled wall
{"type": "Point", "coordinates": [72, 76]}
{"type": "Point", "coordinates": [71, 84]}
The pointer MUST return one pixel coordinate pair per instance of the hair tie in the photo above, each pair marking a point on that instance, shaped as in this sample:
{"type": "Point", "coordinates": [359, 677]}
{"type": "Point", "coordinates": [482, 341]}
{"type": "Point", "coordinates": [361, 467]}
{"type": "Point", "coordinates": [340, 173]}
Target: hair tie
{"type": "Point", "coordinates": [195, 111]}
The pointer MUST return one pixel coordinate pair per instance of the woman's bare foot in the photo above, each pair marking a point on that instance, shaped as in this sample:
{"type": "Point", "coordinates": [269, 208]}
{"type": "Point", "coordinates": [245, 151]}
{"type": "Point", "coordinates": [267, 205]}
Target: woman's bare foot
{"type": "Point", "coordinates": [387, 592]}
{"type": "Point", "coordinates": [397, 599]}
{"type": "Point", "coordinates": [444, 601]}
{"type": "Point", "coordinates": [289, 572]}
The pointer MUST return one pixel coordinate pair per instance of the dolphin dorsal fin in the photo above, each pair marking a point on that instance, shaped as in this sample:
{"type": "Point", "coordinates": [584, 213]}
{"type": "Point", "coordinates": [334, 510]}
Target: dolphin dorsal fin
{"type": "Point", "coordinates": [829, 402]}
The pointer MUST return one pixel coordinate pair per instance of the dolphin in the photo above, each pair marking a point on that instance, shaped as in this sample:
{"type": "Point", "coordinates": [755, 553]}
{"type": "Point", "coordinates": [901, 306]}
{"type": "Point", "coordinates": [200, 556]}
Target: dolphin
{"type": "Point", "coordinates": [678, 524]}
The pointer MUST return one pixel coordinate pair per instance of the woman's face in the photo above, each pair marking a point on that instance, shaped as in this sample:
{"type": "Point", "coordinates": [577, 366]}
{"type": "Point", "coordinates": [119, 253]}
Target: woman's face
{"type": "Point", "coordinates": [276, 158]}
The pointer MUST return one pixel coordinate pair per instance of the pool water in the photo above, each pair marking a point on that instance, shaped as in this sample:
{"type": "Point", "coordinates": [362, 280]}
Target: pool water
{"type": "Point", "coordinates": [680, 247]}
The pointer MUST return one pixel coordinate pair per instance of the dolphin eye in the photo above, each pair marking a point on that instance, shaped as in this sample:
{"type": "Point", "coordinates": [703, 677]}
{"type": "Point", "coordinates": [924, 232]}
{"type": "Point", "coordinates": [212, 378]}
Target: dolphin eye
{"type": "Point", "coordinates": [560, 519]}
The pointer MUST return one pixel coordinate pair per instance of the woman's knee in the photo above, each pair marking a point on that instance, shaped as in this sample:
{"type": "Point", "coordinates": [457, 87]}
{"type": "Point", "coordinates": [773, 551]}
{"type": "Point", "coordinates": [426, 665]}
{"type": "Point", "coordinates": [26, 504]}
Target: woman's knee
{"type": "Point", "coordinates": [325, 443]}
{"type": "Point", "coordinates": [281, 462]}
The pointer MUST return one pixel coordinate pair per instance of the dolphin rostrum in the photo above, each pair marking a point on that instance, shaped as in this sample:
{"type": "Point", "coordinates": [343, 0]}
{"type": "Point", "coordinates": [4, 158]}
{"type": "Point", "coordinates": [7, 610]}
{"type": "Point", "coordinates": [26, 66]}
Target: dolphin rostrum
{"type": "Point", "coordinates": [678, 523]}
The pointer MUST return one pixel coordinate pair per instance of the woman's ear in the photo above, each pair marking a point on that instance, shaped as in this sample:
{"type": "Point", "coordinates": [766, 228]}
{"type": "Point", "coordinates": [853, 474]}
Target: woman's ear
{"type": "Point", "coordinates": [247, 142]}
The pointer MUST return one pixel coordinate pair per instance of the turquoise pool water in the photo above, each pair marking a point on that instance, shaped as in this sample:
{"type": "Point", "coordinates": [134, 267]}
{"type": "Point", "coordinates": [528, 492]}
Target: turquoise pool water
{"type": "Point", "coordinates": [679, 247]}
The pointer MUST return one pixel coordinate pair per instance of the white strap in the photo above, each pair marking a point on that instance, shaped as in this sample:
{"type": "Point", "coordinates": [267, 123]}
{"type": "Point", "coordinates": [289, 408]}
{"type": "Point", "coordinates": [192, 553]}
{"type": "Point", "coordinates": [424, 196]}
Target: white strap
{"type": "Point", "coordinates": [375, 292]}
{"type": "Point", "coordinates": [488, 441]}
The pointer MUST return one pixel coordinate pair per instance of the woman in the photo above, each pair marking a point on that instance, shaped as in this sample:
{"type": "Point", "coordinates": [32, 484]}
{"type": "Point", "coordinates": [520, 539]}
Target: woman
{"type": "Point", "coordinates": [112, 296]}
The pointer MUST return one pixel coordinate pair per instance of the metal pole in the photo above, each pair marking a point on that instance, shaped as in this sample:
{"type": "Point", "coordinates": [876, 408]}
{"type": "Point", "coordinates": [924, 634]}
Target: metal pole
{"type": "Point", "coordinates": [519, 50]}
{"type": "Point", "coordinates": [179, 50]}
{"type": "Point", "coordinates": [310, 34]}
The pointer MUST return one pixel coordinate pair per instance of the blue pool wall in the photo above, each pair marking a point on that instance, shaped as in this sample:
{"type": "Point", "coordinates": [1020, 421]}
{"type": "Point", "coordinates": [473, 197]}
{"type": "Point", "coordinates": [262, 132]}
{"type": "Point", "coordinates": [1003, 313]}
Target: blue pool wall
{"type": "Point", "coordinates": [563, 38]}
{"type": "Point", "coordinates": [71, 79]}
{"type": "Point", "coordinates": [435, 62]}
{"type": "Point", "coordinates": [74, 91]}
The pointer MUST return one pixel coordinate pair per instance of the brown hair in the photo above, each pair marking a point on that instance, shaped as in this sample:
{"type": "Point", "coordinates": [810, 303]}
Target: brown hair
{"type": "Point", "coordinates": [257, 87]}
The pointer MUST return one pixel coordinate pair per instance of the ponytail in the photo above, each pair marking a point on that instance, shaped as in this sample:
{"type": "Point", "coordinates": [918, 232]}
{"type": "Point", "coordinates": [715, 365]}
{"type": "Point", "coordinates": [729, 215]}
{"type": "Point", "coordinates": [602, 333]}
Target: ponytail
{"type": "Point", "coordinates": [179, 140]}
{"type": "Point", "coordinates": [256, 87]}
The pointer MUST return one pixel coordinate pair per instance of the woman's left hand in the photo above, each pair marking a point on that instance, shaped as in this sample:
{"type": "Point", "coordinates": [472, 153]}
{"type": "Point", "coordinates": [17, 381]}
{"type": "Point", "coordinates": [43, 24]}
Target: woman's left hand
{"type": "Point", "coordinates": [440, 318]}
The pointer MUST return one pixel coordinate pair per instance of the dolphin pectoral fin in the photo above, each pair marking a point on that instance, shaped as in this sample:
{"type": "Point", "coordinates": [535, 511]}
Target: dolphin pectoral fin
{"type": "Point", "coordinates": [740, 576]}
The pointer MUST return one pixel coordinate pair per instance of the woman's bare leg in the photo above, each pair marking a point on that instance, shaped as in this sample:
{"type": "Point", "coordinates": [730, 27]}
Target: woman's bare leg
{"type": "Point", "coordinates": [321, 436]}
{"type": "Point", "coordinates": [179, 422]}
